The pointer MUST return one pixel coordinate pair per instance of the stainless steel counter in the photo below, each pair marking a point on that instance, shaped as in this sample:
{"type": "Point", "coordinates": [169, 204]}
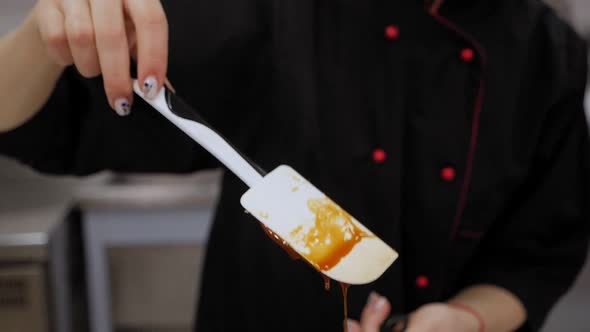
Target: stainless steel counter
{"type": "Point", "coordinates": [131, 228]}
{"type": "Point", "coordinates": [139, 235]}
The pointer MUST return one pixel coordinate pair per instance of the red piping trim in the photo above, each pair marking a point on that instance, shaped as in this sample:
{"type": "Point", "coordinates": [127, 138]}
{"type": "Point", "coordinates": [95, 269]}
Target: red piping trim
{"type": "Point", "coordinates": [436, 4]}
{"type": "Point", "coordinates": [474, 125]}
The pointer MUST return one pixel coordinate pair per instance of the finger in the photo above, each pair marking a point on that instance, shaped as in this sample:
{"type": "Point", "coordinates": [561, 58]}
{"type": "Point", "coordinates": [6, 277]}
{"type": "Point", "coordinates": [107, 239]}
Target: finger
{"type": "Point", "coordinates": [353, 326]}
{"type": "Point", "coordinates": [80, 32]}
{"type": "Point", "coordinates": [113, 53]}
{"type": "Point", "coordinates": [53, 33]}
{"type": "Point", "coordinates": [131, 38]}
{"type": "Point", "coordinates": [374, 313]}
{"type": "Point", "coordinates": [151, 28]}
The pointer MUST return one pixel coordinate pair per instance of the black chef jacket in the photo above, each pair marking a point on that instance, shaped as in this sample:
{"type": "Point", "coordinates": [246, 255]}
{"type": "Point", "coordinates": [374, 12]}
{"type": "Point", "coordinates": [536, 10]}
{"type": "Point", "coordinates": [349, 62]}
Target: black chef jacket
{"type": "Point", "coordinates": [458, 138]}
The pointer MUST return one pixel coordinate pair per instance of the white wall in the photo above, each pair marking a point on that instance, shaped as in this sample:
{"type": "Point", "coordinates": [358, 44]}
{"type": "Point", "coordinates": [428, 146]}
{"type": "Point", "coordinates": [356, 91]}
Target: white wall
{"type": "Point", "coordinates": [12, 13]}
{"type": "Point", "coordinates": [581, 14]}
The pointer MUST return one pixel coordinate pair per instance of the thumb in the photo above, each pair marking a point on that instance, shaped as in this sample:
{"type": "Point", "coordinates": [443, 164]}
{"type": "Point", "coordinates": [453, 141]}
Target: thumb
{"type": "Point", "coordinates": [375, 313]}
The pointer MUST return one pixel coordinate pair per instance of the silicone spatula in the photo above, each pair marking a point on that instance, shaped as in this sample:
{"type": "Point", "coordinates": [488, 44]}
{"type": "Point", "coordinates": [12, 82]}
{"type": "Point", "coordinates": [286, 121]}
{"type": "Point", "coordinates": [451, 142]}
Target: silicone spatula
{"type": "Point", "coordinates": [294, 210]}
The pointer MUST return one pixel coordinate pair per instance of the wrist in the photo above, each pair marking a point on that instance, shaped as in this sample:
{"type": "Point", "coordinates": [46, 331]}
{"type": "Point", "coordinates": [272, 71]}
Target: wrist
{"type": "Point", "coordinates": [28, 74]}
{"type": "Point", "coordinates": [468, 318]}
{"type": "Point", "coordinates": [28, 35]}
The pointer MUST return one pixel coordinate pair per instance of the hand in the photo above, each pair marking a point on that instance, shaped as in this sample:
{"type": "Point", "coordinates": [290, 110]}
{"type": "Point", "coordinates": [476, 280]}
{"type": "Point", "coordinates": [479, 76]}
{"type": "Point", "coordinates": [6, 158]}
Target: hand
{"type": "Point", "coordinates": [435, 317]}
{"type": "Point", "coordinates": [441, 317]}
{"type": "Point", "coordinates": [374, 314]}
{"type": "Point", "coordinates": [100, 36]}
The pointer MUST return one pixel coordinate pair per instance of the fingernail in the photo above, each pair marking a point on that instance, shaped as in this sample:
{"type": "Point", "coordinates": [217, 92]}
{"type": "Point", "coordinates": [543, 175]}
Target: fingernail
{"type": "Point", "coordinates": [150, 87]}
{"type": "Point", "coordinates": [349, 325]}
{"type": "Point", "coordinates": [122, 106]}
{"type": "Point", "coordinates": [379, 304]}
{"type": "Point", "coordinates": [372, 298]}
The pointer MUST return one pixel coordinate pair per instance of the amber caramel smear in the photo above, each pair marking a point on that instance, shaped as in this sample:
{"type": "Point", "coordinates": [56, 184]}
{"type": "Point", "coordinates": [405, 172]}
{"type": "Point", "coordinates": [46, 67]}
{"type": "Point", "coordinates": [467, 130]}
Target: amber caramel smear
{"type": "Point", "coordinates": [332, 237]}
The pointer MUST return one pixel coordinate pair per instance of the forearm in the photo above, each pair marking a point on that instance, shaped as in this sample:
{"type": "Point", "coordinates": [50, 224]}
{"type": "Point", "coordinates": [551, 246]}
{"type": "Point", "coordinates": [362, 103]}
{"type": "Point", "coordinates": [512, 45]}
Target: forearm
{"type": "Point", "coordinates": [500, 310]}
{"type": "Point", "coordinates": [28, 75]}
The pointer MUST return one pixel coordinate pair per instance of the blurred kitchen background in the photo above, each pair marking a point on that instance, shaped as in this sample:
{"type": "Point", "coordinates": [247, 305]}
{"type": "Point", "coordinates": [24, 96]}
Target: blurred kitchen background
{"type": "Point", "coordinates": [134, 261]}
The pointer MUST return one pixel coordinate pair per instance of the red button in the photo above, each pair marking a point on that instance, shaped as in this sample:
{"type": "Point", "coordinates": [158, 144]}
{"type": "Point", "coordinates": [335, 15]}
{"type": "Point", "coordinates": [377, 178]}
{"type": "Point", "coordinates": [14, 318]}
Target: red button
{"type": "Point", "coordinates": [379, 156]}
{"type": "Point", "coordinates": [448, 174]}
{"type": "Point", "coordinates": [392, 32]}
{"type": "Point", "coordinates": [422, 282]}
{"type": "Point", "coordinates": [467, 55]}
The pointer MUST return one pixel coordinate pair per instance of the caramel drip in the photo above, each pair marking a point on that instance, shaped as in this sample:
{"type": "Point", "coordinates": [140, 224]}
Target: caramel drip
{"type": "Point", "coordinates": [345, 299]}
{"type": "Point", "coordinates": [332, 237]}
{"type": "Point", "coordinates": [326, 282]}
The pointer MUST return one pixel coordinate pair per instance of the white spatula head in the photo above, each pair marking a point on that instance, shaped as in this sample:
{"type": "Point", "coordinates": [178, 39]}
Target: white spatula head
{"type": "Point", "coordinates": [317, 229]}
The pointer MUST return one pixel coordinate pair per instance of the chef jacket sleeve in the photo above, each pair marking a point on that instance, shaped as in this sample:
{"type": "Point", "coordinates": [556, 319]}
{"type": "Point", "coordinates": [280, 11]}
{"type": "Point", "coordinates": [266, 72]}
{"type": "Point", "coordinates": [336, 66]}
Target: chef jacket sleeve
{"type": "Point", "coordinates": [538, 249]}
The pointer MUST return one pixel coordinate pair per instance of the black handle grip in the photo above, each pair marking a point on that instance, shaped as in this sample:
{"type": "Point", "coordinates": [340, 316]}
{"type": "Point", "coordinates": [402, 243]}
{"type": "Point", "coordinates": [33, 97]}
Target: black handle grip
{"type": "Point", "coordinates": [395, 323]}
{"type": "Point", "coordinates": [180, 108]}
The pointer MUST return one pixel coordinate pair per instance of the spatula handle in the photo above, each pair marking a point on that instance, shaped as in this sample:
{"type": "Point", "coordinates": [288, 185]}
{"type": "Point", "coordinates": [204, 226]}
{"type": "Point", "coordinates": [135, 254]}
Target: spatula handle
{"type": "Point", "coordinates": [192, 124]}
{"type": "Point", "coordinates": [395, 323]}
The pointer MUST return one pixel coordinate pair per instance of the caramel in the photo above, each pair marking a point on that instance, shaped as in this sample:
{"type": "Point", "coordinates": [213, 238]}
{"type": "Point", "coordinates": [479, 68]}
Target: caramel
{"type": "Point", "coordinates": [332, 237]}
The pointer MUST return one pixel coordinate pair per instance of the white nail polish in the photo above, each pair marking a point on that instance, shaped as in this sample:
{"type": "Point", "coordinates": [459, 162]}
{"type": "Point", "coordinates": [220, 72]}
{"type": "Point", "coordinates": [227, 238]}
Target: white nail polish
{"type": "Point", "coordinates": [349, 325]}
{"type": "Point", "coordinates": [122, 106]}
{"type": "Point", "coordinates": [380, 303]}
{"type": "Point", "coordinates": [372, 298]}
{"type": "Point", "coordinates": [150, 87]}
